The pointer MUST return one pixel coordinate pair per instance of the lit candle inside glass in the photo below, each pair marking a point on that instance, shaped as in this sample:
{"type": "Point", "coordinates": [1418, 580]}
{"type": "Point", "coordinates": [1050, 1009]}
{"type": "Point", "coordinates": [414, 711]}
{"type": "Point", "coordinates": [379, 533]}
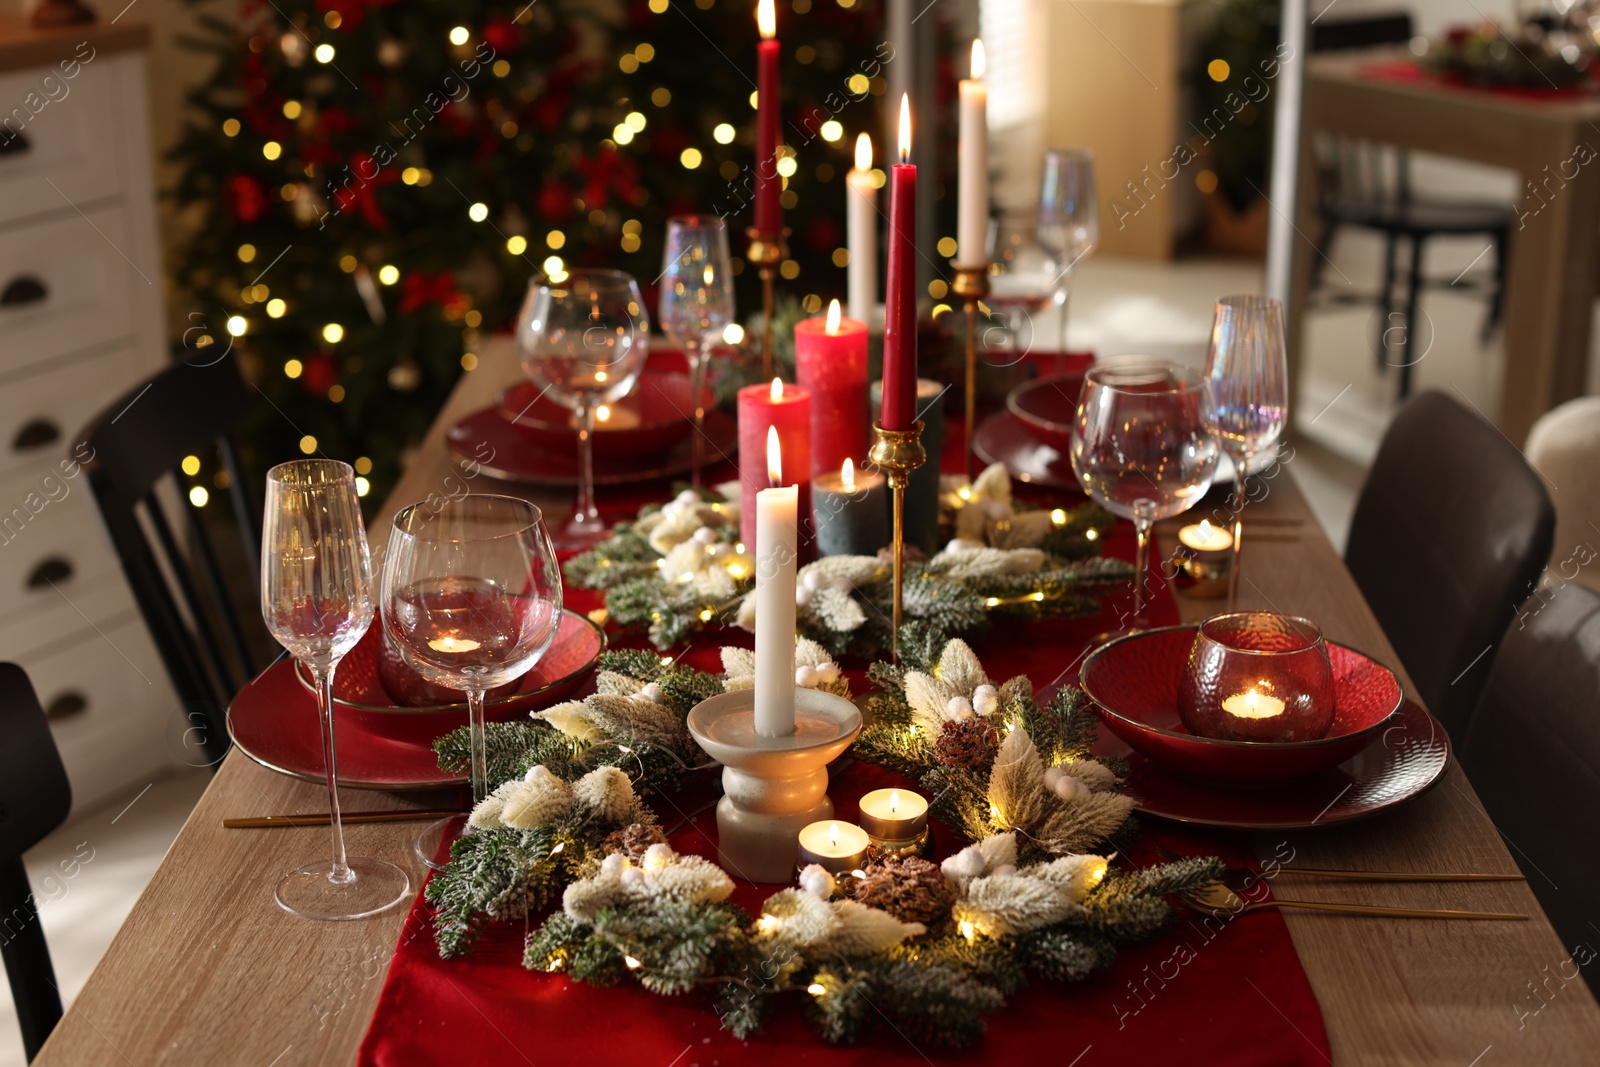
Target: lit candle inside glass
{"type": "Point", "coordinates": [453, 643]}
{"type": "Point", "coordinates": [1252, 704]}
{"type": "Point", "coordinates": [1204, 537]}
{"type": "Point", "coordinates": [893, 815]}
{"type": "Point", "coordinates": [836, 846]}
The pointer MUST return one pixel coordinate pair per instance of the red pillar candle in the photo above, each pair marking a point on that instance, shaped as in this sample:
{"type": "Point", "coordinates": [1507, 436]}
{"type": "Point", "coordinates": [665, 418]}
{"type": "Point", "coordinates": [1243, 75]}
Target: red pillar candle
{"type": "Point", "coordinates": [788, 407]}
{"type": "Point", "coordinates": [900, 290]}
{"type": "Point", "coordinates": [830, 361]}
{"type": "Point", "coordinates": [769, 102]}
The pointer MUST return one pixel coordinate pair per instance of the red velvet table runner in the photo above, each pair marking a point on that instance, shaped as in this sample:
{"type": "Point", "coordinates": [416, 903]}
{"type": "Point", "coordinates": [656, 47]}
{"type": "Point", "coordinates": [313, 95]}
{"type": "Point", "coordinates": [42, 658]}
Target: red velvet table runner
{"type": "Point", "coordinates": [1203, 992]}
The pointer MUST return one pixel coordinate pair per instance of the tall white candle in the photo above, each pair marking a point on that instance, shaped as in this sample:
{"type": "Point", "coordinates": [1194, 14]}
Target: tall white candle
{"type": "Point", "coordinates": [861, 212]}
{"type": "Point", "coordinates": [777, 549]}
{"type": "Point", "coordinates": [972, 210]}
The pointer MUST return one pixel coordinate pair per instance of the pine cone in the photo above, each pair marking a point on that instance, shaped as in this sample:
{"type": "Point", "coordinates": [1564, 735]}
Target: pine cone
{"type": "Point", "coordinates": [969, 743]}
{"type": "Point", "coordinates": [633, 840]}
{"type": "Point", "coordinates": [912, 890]}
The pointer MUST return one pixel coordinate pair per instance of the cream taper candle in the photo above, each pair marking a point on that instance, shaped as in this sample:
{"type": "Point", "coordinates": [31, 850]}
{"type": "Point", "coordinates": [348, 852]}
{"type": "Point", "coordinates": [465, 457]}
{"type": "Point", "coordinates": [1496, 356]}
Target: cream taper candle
{"type": "Point", "coordinates": [861, 216]}
{"type": "Point", "coordinates": [777, 546]}
{"type": "Point", "coordinates": [972, 204]}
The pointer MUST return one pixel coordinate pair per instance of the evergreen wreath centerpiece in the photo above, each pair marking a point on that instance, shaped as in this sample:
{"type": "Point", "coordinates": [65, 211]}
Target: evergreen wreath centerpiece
{"type": "Point", "coordinates": [936, 948]}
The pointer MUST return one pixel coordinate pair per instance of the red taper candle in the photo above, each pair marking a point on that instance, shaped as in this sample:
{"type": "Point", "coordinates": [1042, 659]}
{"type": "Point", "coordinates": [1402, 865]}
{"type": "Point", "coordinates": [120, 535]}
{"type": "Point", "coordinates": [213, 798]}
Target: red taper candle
{"type": "Point", "coordinates": [900, 297]}
{"type": "Point", "coordinates": [769, 104]}
{"type": "Point", "coordinates": [788, 407]}
{"type": "Point", "coordinates": [830, 360]}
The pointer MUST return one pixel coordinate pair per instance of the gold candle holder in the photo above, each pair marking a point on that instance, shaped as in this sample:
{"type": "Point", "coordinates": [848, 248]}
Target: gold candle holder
{"type": "Point", "coordinates": [897, 453]}
{"type": "Point", "coordinates": [971, 285]}
{"type": "Point", "coordinates": [766, 252]}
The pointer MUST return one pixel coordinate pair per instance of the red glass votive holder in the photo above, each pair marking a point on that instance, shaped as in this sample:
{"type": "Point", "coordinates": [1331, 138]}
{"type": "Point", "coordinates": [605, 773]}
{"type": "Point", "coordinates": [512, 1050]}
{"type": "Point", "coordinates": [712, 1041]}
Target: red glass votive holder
{"type": "Point", "coordinates": [1257, 676]}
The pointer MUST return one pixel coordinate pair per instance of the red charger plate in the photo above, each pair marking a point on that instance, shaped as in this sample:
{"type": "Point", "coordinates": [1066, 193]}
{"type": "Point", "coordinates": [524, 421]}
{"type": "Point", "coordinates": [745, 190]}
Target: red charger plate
{"type": "Point", "coordinates": [655, 416]}
{"type": "Point", "coordinates": [1133, 682]}
{"type": "Point", "coordinates": [510, 452]}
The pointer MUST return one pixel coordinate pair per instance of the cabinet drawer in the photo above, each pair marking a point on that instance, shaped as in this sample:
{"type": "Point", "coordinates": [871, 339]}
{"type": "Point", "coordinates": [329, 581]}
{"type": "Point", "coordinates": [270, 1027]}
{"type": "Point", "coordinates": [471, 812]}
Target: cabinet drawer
{"type": "Point", "coordinates": [43, 414]}
{"type": "Point", "coordinates": [52, 542]}
{"type": "Point", "coordinates": [49, 625]}
{"type": "Point", "coordinates": [56, 138]}
{"type": "Point", "coordinates": [110, 709]}
{"type": "Point", "coordinates": [65, 288]}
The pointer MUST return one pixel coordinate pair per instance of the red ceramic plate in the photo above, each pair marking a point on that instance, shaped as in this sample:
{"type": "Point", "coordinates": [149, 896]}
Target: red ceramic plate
{"type": "Point", "coordinates": [1007, 439]}
{"type": "Point", "coordinates": [273, 720]}
{"type": "Point", "coordinates": [360, 696]}
{"type": "Point", "coordinates": [1134, 684]}
{"type": "Point", "coordinates": [1401, 761]}
{"type": "Point", "coordinates": [657, 415]}
{"type": "Point", "coordinates": [505, 450]}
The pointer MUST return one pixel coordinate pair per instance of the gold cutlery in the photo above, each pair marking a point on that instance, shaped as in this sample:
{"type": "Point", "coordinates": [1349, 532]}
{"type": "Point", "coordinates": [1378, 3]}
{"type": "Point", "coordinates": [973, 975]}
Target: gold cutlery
{"type": "Point", "coordinates": [1233, 876]}
{"type": "Point", "coordinates": [1218, 901]}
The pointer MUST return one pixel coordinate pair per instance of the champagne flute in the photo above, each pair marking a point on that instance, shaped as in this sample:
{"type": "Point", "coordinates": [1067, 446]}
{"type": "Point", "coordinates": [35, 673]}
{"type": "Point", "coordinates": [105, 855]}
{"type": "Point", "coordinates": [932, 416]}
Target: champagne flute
{"type": "Point", "coordinates": [1246, 394]}
{"type": "Point", "coordinates": [1069, 218]}
{"type": "Point", "coordinates": [472, 599]}
{"type": "Point", "coordinates": [584, 338]}
{"type": "Point", "coordinates": [696, 303]}
{"type": "Point", "coordinates": [1141, 448]}
{"type": "Point", "coordinates": [316, 598]}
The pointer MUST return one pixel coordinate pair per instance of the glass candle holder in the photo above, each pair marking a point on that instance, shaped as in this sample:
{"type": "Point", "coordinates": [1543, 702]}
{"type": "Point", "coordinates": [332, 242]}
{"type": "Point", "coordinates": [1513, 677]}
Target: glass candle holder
{"type": "Point", "coordinates": [896, 822]}
{"type": "Point", "coordinates": [1257, 676]}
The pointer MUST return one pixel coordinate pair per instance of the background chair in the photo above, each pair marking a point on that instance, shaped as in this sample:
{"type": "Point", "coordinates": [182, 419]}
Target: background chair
{"type": "Point", "coordinates": [1368, 186]}
{"type": "Point", "coordinates": [1449, 535]}
{"type": "Point", "coordinates": [34, 800]}
{"type": "Point", "coordinates": [1533, 753]}
{"type": "Point", "coordinates": [186, 409]}
{"type": "Point", "coordinates": [1564, 446]}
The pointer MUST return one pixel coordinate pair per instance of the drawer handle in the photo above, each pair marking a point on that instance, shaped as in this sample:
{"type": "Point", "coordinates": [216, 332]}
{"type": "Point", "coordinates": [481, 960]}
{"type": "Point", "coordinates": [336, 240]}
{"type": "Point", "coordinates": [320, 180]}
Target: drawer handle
{"type": "Point", "coordinates": [52, 570]}
{"type": "Point", "coordinates": [66, 706]}
{"type": "Point", "coordinates": [16, 144]}
{"type": "Point", "coordinates": [36, 434]}
{"type": "Point", "coordinates": [22, 291]}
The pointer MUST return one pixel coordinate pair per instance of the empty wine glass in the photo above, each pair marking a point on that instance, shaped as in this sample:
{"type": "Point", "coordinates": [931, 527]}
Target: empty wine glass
{"type": "Point", "coordinates": [1246, 394]}
{"type": "Point", "coordinates": [696, 303]}
{"type": "Point", "coordinates": [472, 599]}
{"type": "Point", "coordinates": [1069, 218]}
{"type": "Point", "coordinates": [1022, 277]}
{"type": "Point", "coordinates": [316, 598]}
{"type": "Point", "coordinates": [584, 339]}
{"type": "Point", "coordinates": [1141, 447]}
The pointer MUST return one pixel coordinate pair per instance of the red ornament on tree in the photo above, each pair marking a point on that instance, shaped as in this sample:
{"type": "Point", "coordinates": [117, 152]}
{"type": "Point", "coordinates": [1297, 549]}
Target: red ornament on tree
{"type": "Point", "coordinates": [247, 200]}
{"type": "Point", "coordinates": [321, 373]}
{"type": "Point", "coordinates": [503, 35]}
{"type": "Point", "coordinates": [554, 202]}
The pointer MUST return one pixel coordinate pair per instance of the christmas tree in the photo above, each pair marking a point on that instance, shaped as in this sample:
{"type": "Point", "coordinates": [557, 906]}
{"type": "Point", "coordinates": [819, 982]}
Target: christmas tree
{"type": "Point", "coordinates": [372, 184]}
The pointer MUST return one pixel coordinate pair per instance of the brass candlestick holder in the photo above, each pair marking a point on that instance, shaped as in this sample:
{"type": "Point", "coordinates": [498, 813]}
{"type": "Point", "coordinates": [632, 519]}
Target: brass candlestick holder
{"type": "Point", "coordinates": [897, 453]}
{"type": "Point", "coordinates": [971, 285]}
{"type": "Point", "coordinates": [766, 252]}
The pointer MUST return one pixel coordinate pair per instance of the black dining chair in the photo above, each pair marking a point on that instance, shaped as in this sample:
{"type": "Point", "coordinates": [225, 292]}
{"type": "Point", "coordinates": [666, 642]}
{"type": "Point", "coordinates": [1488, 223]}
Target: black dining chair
{"type": "Point", "coordinates": [34, 799]}
{"type": "Point", "coordinates": [1533, 754]}
{"type": "Point", "coordinates": [1450, 532]}
{"type": "Point", "coordinates": [187, 409]}
{"type": "Point", "coordinates": [1367, 186]}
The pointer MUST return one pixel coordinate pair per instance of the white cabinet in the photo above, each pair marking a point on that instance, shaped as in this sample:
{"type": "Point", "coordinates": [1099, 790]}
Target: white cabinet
{"type": "Point", "coordinates": [80, 323]}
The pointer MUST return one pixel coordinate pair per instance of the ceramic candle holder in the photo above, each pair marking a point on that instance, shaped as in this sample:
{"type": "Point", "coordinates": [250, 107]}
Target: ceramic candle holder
{"type": "Point", "coordinates": [1257, 676]}
{"type": "Point", "coordinates": [772, 786]}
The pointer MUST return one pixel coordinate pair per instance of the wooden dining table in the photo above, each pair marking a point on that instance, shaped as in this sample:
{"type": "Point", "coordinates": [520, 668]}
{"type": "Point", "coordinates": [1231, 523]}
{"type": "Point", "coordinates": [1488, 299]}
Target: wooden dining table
{"type": "Point", "coordinates": [1549, 141]}
{"type": "Point", "coordinates": [208, 969]}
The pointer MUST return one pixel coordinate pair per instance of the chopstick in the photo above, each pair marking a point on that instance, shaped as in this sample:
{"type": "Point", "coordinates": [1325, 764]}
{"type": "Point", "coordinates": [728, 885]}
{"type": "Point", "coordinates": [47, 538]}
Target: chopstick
{"type": "Point", "coordinates": [270, 822]}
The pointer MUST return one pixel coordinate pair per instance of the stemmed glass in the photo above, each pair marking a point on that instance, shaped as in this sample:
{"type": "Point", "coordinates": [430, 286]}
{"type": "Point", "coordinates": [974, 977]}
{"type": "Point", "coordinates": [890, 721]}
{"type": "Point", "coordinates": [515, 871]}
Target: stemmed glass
{"type": "Point", "coordinates": [696, 303]}
{"type": "Point", "coordinates": [1246, 394]}
{"type": "Point", "coordinates": [1069, 218]}
{"type": "Point", "coordinates": [1141, 447]}
{"type": "Point", "coordinates": [1022, 277]}
{"type": "Point", "coordinates": [584, 339]}
{"type": "Point", "coordinates": [316, 598]}
{"type": "Point", "coordinates": [472, 599]}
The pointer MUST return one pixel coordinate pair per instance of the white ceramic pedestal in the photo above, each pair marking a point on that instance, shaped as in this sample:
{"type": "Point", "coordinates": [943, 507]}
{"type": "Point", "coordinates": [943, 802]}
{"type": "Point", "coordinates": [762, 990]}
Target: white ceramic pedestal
{"type": "Point", "coordinates": [772, 786]}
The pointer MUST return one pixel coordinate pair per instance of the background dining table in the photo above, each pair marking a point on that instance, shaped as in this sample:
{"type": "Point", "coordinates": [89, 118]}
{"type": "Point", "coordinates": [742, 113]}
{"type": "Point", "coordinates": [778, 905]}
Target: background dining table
{"type": "Point", "coordinates": [208, 969]}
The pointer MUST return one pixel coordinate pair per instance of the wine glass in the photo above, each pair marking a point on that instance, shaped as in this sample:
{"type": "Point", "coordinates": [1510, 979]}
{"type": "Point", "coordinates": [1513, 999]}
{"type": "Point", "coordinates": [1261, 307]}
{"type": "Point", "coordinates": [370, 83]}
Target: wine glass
{"type": "Point", "coordinates": [1141, 447]}
{"type": "Point", "coordinates": [472, 599]}
{"type": "Point", "coordinates": [1246, 394]}
{"type": "Point", "coordinates": [584, 339]}
{"type": "Point", "coordinates": [696, 303]}
{"type": "Point", "coordinates": [1022, 276]}
{"type": "Point", "coordinates": [316, 598]}
{"type": "Point", "coordinates": [1069, 218]}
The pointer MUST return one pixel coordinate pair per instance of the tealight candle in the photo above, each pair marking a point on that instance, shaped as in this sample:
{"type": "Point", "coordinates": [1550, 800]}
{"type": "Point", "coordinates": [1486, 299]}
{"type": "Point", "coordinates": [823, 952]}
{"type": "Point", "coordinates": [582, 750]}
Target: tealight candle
{"type": "Point", "coordinates": [896, 821]}
{"type": "Point", "coordinates": [1203, 559]}
{"type": "Point", "coordinates": [851, 511]}
{"type": "Point", "coordinates": [1252, 704]}
{"type": "Point", "coordinates": [1204, 537]}
{"type": "Point", "coordinates": [836, 846]}
{"type": "Point", "coordinates": [453, 643]}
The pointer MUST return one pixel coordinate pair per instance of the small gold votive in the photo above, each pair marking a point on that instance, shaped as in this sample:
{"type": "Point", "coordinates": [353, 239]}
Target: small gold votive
{"type": "Point", "coordinates": [1202, 560]}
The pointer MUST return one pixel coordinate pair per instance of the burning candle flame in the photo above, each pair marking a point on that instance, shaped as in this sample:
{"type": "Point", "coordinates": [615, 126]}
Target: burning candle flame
{"type": "Point", "coordinates": [777, 389]}
{"type": "Point", "coordinates": [833, 835]}
{"type": "Point", "coordinates": [847, 475]}
{"type": "Point", "coordinates": [774, 455]}
{"type": "Point", "coordinates": [766, 20]}
{"type": "Point", "coordinates": [863, 153]}
{"type": "Point", "coordinates": [602, 413]}
{"type": "Point", "coordinates": [905, 127]}
{"type": "Point", "coordinates": [978, 64]}
{"type": "Point", "coordinates": [894, 801]}
{"type": "Point", "coordinates": [833, 317]}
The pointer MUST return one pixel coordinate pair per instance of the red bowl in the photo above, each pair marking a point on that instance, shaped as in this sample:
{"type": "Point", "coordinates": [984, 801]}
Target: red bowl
{"type": "Point", "coordinates": [1047, 407]}
{"type": "Point", "coordinates": [655, 416]}
{"type": "Point", "coordinates": [1133, 682]}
